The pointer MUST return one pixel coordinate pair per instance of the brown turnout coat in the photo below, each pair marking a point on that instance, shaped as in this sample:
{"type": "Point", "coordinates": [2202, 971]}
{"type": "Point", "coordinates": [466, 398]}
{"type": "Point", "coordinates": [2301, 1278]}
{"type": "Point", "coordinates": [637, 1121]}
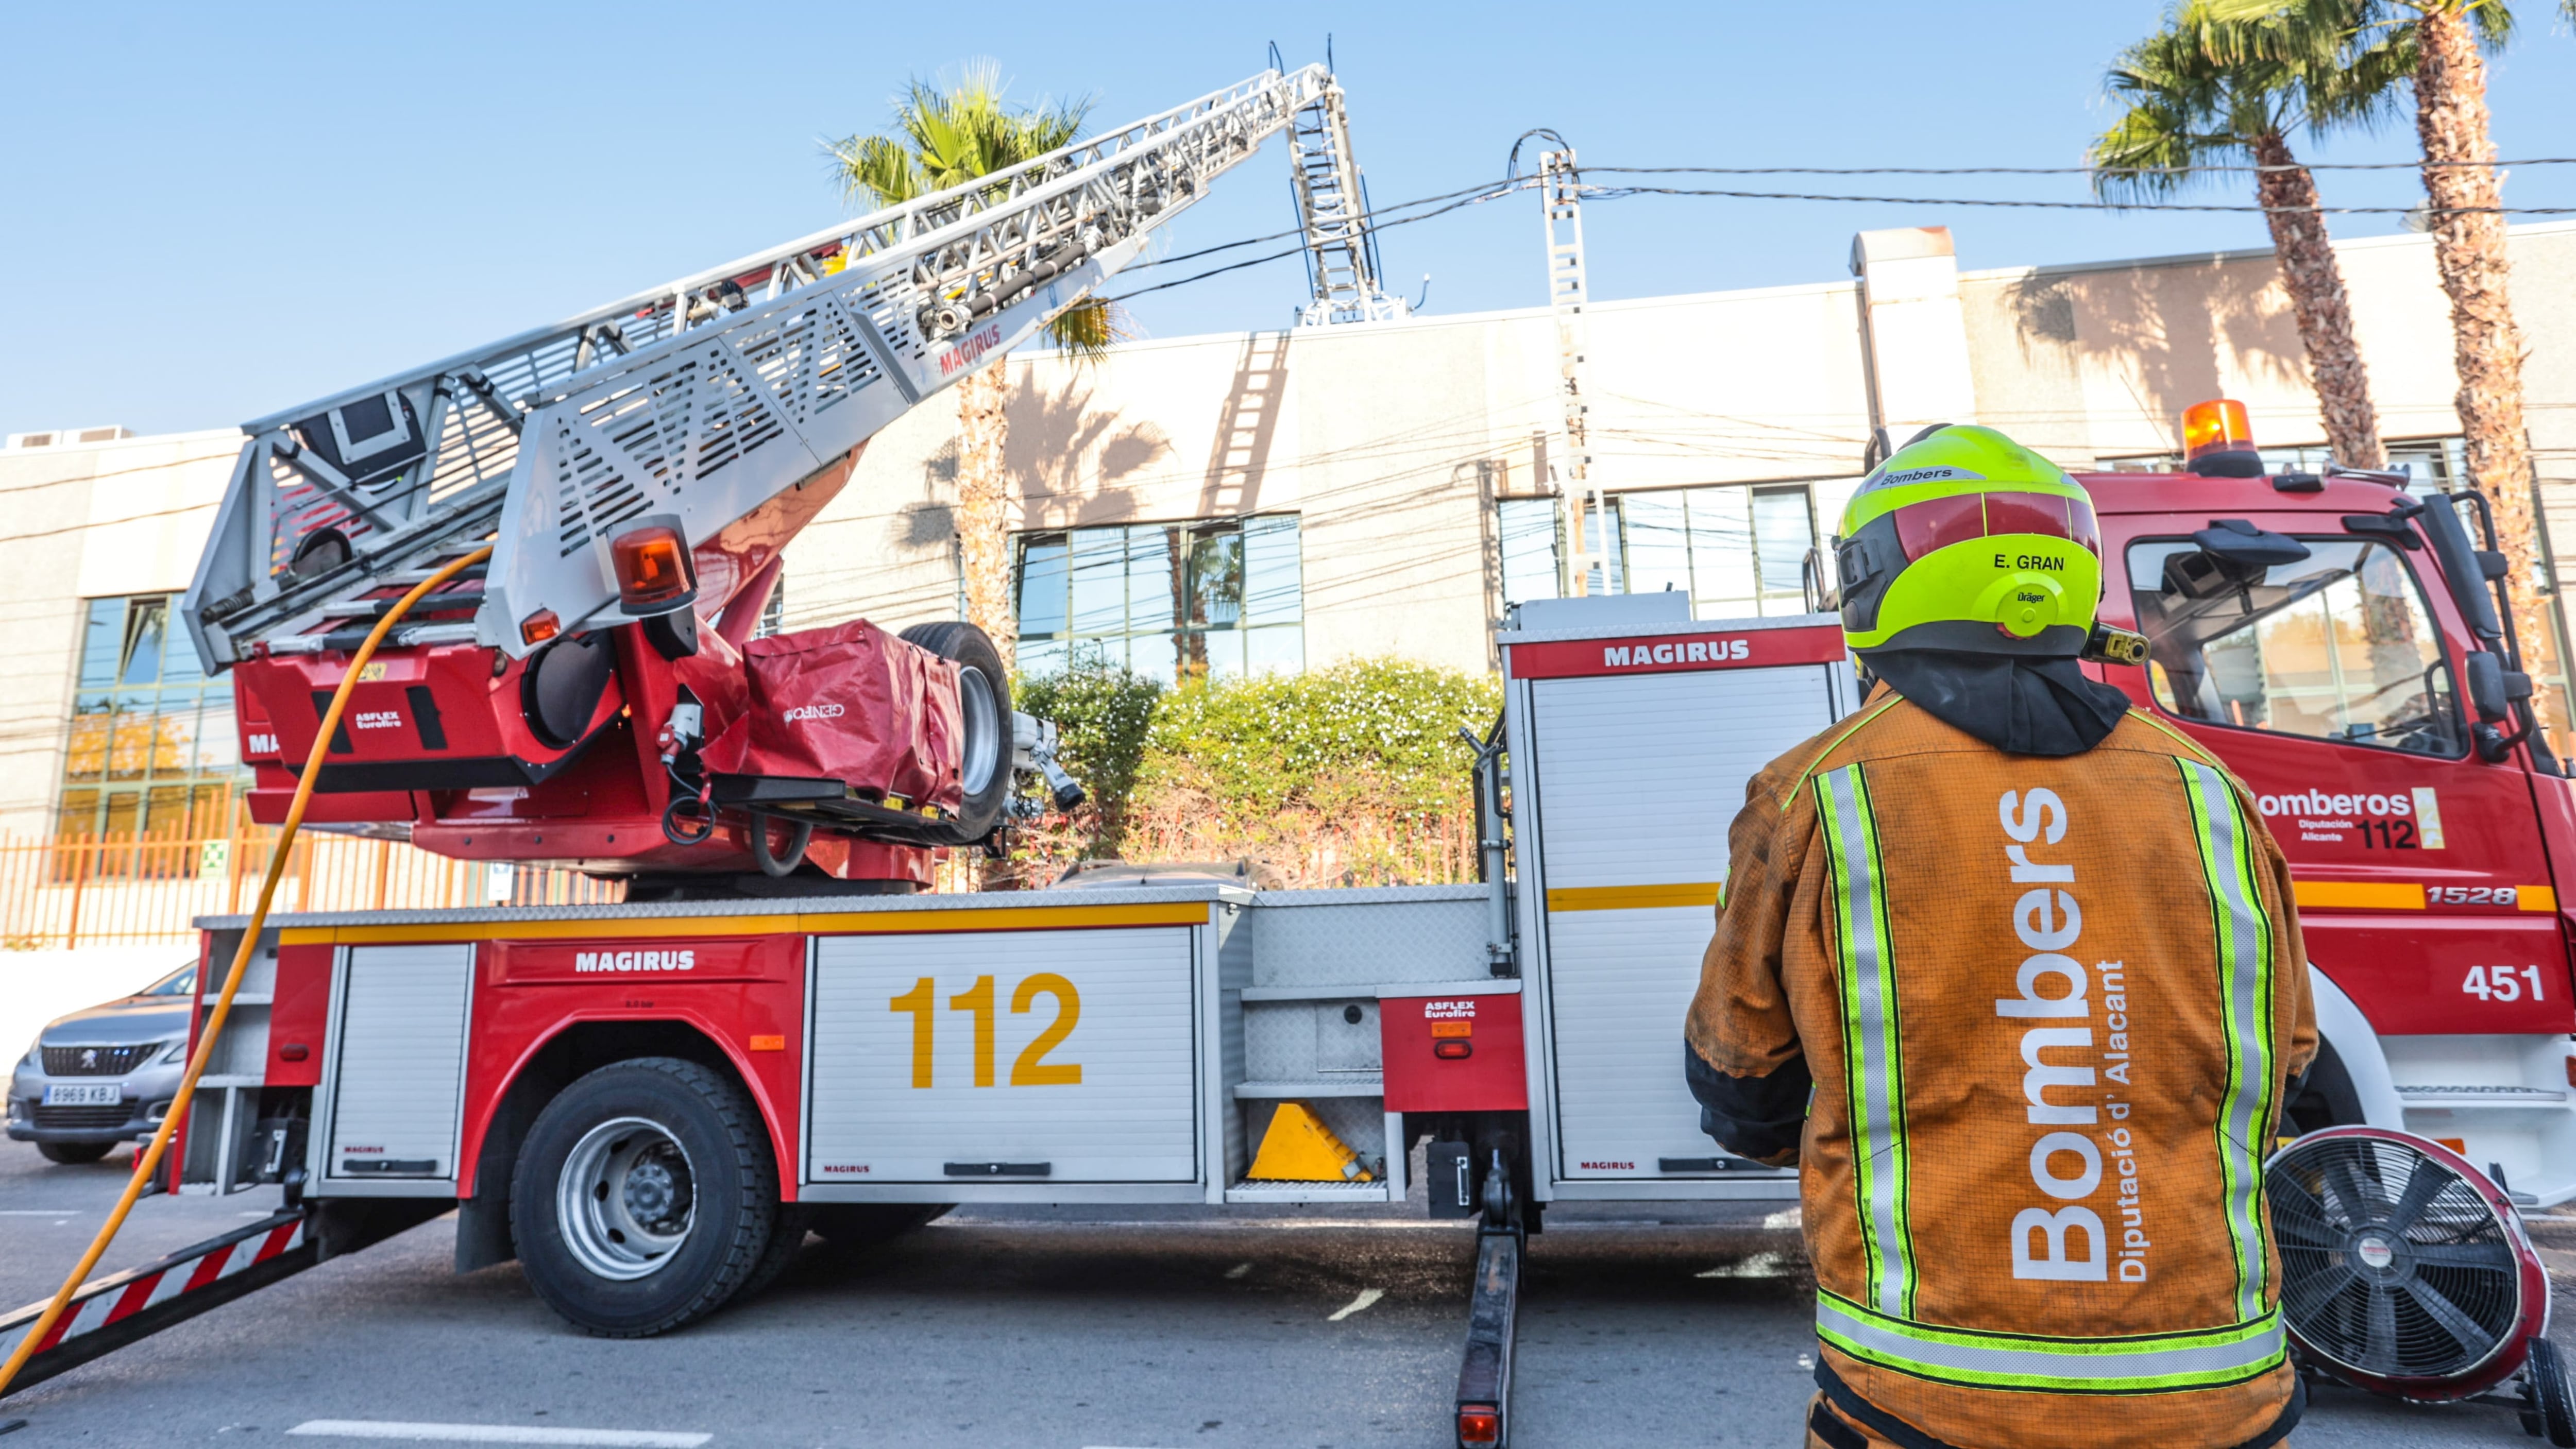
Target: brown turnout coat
{"type": "Point", "coordinates": [2049, 1008]}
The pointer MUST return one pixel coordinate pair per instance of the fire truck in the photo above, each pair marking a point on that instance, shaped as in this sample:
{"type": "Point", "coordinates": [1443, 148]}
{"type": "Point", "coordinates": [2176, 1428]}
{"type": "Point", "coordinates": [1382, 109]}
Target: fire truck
{"type": "Point", "coordinates": [650, 1104]}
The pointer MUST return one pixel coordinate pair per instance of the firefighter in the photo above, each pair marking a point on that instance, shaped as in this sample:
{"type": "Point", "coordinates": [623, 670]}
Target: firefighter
{"type": "Point", "coordinates": [2011, 971]}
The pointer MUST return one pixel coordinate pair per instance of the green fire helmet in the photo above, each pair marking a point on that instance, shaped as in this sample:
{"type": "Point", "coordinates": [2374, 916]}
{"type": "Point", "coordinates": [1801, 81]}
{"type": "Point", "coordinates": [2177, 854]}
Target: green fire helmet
{"type": "Point", "coordinates": [1965, 540]}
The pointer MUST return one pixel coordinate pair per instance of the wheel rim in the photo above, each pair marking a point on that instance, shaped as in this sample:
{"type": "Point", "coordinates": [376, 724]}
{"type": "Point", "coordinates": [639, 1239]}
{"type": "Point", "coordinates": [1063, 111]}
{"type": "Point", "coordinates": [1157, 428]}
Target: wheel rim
{"type": "Point", "coordinates": [983, 729]}
{"type": "Point", "coordinates": [627, 1198]}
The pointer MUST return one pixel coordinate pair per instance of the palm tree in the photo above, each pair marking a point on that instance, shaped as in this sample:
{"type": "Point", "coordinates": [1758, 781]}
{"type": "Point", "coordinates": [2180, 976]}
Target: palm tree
{"type": "Point", "coordinates": [946, 137]}
{"type": "Point", "coordinates": [2203, 91]}
{"type": "Point", "coordinates": [2438, 45]}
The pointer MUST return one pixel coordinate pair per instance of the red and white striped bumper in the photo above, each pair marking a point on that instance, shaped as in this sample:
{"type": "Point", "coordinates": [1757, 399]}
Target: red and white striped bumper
{"type": "Point", "coordinates": [115, 1310]}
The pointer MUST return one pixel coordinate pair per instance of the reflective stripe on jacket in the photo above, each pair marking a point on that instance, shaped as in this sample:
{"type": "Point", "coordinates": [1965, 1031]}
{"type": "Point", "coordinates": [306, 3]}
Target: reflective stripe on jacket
{"type": "Point", "coordinates": [2048, 1008]}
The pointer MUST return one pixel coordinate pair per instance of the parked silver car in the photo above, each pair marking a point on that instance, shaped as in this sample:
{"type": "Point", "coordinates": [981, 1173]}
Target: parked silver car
{"type": "Point", "coordinates": [106, 1075]}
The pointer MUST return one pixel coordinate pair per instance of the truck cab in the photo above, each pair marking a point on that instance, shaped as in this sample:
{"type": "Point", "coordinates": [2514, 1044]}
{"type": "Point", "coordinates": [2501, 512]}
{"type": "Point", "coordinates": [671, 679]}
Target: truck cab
{"type": "Point", "coordinates": [2306, 630]}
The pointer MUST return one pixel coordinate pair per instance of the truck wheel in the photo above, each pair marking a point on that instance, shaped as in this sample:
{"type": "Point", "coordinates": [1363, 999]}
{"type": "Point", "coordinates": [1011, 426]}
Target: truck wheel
{"type": "Point", "coordinates": [644, 1197]}
{"type": "Point", "coordinates": [69, 1153]}
{"type": "Point", "coordinates": [984, 707]}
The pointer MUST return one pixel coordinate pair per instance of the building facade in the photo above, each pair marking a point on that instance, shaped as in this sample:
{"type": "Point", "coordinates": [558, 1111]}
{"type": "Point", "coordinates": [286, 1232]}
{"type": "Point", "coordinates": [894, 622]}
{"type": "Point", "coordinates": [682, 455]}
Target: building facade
{"type": "Point", "coordinates": [1277, 500]}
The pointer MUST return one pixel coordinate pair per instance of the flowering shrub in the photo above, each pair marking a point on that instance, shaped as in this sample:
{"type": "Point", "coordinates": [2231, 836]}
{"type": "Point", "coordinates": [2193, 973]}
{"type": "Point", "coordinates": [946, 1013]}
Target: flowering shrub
{"type": "Point", "coordinates": [1351, 774]}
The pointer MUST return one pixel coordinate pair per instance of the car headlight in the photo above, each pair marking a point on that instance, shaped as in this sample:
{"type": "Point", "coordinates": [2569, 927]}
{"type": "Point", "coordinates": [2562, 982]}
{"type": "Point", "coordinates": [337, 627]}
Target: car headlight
{"type": "Point", "coordinates": [177, 1053]}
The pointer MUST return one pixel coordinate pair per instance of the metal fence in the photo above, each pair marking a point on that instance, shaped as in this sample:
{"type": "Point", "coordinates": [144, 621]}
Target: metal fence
{"type": "Point", "coordinates": [144, 888]}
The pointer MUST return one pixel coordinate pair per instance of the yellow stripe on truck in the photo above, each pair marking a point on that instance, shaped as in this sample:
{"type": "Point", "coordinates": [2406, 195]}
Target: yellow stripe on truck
{"type": "Point", "coordinates": [2536, 898]}
{"type": "Point", "coordinates": [2313, 895]}
{"type": "Point", "coordinates": [1633, 898]}
{"type": "Point", "coordinates": [847, 923]}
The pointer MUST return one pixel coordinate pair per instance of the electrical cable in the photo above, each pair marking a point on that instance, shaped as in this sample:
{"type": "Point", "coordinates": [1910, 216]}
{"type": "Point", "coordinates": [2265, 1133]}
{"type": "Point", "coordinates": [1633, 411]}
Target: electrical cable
{"type": "Point", "coordinates": [149, 1160]}
{"type": "Point", "coordinates": [1621, 193]}
{"type": "Point", "coordinates": [1489, 192]}
{"type": "Point", "coordinates": [2074, 170]}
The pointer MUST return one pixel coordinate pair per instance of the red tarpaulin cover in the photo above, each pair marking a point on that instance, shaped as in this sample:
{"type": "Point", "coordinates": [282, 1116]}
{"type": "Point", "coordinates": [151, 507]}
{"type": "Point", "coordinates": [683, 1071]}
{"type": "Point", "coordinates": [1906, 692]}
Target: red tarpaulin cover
{"type": "Point", "coordinates": [850, 703]}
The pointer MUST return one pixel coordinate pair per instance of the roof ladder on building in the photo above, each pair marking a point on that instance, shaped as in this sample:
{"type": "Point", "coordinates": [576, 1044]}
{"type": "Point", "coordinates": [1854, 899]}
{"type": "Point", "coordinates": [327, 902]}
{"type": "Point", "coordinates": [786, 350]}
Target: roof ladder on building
{"type": "Point", "coordinates": [1561, 193]}
{"type": "Point", "coordinates": [1332, 206]}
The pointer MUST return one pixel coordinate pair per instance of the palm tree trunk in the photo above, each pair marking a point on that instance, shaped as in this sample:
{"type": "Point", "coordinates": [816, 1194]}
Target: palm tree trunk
{"type": "Point", "coordinates": [2315, 282]}
{"type": "Point", "coordinates": [983, 496]}
{"type": "Point", "coordinates": [2469, 250]}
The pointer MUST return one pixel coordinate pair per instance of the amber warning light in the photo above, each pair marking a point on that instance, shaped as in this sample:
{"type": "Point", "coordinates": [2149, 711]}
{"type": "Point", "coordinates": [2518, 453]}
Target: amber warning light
{"type": "Point", "coordinates": [654, 575]}
{"type": "Point", "coordinates": [2217, 442]}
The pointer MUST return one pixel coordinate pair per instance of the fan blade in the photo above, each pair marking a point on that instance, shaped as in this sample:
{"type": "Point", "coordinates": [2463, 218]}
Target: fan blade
{"type": "Point", "coordinates": [2470, 1334]}
{"type": "Point", "coordinates": [2428, 1183]}
{"type": "Point", "coordinates": [2303, 1294]}
{"type": "Point", "coordinates": [2493, 1256]}
{"type": "Point", "coordinates": [2379, 1347]}
{"type": "Point", "coordinates": [2360, 1202]}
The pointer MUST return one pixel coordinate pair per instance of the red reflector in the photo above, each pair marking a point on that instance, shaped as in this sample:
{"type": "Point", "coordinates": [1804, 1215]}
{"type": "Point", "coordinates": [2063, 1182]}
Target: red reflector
{"type": "Point", "coordinates": [1940, 522]}
{"type": "Point", "coordinates": [1453, 1049]}
{"type": "Point", "coordinates": [1479, 1424]}
{"type": "Point", "coordinates": [652, 568]}
{"type": "Point", "coordinates": [296, 1051]}
{"type": "Point", "coordinates": [539, 627]}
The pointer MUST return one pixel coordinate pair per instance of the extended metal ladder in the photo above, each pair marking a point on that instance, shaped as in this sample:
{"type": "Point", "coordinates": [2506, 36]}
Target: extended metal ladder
{"type": "Point", "coordinates": [704, 398]}
{"type": "Point", "coordinates": [1332, 207]}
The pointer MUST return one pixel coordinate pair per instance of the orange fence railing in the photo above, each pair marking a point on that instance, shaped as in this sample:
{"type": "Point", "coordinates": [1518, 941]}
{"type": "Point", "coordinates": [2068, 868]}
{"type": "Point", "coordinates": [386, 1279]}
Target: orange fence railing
{"type": "Point", "coordinates": [143, 888]}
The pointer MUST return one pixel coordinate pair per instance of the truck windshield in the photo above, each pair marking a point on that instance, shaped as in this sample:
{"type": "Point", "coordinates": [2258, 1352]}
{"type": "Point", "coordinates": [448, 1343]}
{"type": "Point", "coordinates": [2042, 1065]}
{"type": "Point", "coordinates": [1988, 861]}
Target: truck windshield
{"type": "Point", "coordinates": [2337, 646]}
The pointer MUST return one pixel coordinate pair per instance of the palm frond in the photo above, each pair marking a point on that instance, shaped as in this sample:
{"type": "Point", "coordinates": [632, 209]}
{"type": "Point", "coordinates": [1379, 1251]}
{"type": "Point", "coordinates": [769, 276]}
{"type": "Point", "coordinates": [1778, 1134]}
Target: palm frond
{"type": "Point", "coordinates": [1089, 328]}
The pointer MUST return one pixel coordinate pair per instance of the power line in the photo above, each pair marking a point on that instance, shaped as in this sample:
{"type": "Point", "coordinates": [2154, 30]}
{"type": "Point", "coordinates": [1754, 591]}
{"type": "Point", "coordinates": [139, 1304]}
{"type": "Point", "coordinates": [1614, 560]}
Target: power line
{"type": "Point", "coordinates": [1618, 193]}
{"type": "Point", "coordinates": [2071, 170]}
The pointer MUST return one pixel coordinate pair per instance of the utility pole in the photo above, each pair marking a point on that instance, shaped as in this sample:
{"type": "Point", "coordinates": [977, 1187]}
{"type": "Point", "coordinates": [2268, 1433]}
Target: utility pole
{"type": "Point", "coordinates": [1561, 195]}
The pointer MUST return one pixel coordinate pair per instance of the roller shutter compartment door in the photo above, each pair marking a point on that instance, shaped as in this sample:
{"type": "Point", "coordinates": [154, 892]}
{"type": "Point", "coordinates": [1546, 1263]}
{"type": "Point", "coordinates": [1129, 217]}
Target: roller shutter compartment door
{"type": "Point", "coordinates": [401, 1062]}
{"type": "Point", "coordinates": [1003, 1051]}
{"type": "Point", "coordinates": [1638, 779]}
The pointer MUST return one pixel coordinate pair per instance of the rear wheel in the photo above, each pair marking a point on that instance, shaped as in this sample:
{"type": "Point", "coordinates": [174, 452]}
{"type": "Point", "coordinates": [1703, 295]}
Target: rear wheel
{"type": "Point", "coordinates": [71, 1153]}
{"type": "Point", "coordinates": [644, 1197]}
{"type": "Point", "coordinates": [984, 714]}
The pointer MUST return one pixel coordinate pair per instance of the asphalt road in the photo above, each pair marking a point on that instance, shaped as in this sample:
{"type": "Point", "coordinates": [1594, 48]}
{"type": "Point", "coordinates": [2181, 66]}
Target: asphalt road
{"type": "Point", "coordinates": [1140, 1328]}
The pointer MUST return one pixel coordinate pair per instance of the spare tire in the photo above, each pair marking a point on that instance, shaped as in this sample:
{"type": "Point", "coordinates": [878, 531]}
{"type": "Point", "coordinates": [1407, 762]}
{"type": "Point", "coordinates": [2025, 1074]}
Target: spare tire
{"type": "Point", "coordinates": [984, 716]}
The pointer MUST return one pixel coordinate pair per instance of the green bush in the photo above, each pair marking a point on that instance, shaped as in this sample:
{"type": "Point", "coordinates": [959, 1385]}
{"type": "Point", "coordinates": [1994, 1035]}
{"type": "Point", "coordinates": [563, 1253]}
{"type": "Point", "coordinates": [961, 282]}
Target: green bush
{"type": "Point", "coordinates": [1102, 717]}
{"type": "Point", "coordinates": [1366, 738]}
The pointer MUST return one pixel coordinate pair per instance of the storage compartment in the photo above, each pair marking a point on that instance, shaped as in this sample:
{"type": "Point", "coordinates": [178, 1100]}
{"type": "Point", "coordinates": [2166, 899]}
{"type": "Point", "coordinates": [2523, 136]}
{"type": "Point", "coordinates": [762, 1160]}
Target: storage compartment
{"type": "Point", "coordinates": [397, 1076]}
{"type": "Point", "coordinates": [1625, 783]}
{"type": "Point", "coordinates": [1004, 1057]}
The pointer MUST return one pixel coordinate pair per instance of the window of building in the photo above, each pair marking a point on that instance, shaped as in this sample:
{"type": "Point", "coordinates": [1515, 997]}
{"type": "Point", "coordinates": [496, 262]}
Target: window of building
{"type": "Point", "coordinates": [2438, 465]}
{"type": "Point", "coordinates": [1735, 550]}
{"type": "Point", "coordinates": [152, 748]}
{"type": "Point", "coordinates": [2337, 646]}
{"type": "Point", "coordinates": [1214, 598]}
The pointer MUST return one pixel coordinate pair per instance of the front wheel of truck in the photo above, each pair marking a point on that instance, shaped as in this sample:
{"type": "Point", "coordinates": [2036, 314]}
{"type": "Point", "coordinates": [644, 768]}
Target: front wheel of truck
{"type": "Point", "coordinates": [645, 1196]}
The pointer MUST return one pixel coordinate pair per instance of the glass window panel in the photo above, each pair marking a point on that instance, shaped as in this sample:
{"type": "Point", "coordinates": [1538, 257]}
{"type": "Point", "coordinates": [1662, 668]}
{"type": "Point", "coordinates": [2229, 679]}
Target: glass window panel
{"type": "Point", "coordinates": [144, 623]}
{"type": "Point", "coordinates": [1222, 653]}
{"type": "Point", "coordinates": [1155, 656]}
{"type": "Point", "coordinates": [1527, 529]}
{"type": "Point", "coordinates": [1275, 650]}
{"type": "Point", "coordinates": [1215, 583]}
{"type": "Point", "coordinates": [1042, 656]}
{"type": "Point", "coordinates": [1600, 540]}
{"type": "Point", "coordinates": [124, 807]}
{"type": "Point", "coordinates": [85, 757]}
{"type": "Point", "coordinates": [1155, 584]}
{"type": "Point", "coordinates": [1099, 580]}
{"type": "Point", "coordinates": [1273, 587]}
{"type": "Point", "coordinates": [100, 640]}
{"type": "Point", "coordinates": [1783, 531]}
{"type": "Point", "coordinates": [174, 736]}
{"type": "Point", "coordinates": [179, 655]}
{"type": "Point", "coordinates": [165, 810]}
{"type": "Point", "coordinates": [1042, 585]}
{"type": "Point", "coordinates": [218, 741]}
{"type": "Point", "coordinates": [2337, 646]}
{"type": "Point", "coordinates": [1657, 530]}
{"type": "Point", "coordinates": [78, 813]}
{"type": "Point", "coordinates": [1721, 545]}
{"type": "Point", "coordinates": [129, 754]}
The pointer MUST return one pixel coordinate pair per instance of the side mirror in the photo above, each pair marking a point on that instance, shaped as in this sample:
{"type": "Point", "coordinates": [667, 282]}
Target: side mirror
{"type": "Point", "coordinates": [2493, 689]}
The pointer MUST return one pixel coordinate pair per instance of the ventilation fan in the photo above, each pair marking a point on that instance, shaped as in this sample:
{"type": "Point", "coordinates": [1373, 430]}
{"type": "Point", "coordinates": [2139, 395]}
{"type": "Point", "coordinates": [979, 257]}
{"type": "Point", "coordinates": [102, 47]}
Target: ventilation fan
{"type": "Point", "coordinates": [2406, 1272]}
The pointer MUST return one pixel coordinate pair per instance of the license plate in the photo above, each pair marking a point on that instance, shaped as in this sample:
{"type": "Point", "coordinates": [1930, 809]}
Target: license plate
{"type": "Point", "coordinates": [105, 1094]}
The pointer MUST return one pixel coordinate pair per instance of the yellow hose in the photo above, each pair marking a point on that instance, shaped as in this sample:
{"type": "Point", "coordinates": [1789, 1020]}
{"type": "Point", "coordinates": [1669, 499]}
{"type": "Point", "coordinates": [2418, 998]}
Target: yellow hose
{"type": "Point", "coordinates": [150, 1158]}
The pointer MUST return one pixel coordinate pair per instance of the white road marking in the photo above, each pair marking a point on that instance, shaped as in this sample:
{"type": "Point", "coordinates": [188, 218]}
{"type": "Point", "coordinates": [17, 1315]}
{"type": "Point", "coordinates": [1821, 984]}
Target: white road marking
{"type": "Point", "coordinates": [1357, 1305]}
{"type": "Point", "coordinates": [1756, 1265]}
{"type": "Point", "coordinates": [1795, 1217]}
{"type": "Point", "coordinates": [47, 1212]}
{"type": "Point", "coordinates": [500, 1434]}
{"type": "Point", "coordinates": [1238, 1270]}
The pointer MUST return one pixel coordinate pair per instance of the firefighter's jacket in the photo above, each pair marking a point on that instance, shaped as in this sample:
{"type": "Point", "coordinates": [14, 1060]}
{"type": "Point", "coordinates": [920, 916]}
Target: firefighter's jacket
{"type": "Point", "coordinates": [2048, 1009]}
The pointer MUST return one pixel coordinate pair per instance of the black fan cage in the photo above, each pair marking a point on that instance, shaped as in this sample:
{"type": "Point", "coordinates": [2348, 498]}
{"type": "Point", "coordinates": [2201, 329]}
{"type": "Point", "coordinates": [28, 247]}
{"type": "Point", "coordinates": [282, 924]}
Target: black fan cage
{"type": "Point", "coordinates": [2391, 1264]}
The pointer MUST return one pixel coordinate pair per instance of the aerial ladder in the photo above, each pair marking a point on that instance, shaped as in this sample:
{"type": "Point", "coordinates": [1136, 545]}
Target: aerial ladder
{"type": "Point", "coordinates": [702, 423]}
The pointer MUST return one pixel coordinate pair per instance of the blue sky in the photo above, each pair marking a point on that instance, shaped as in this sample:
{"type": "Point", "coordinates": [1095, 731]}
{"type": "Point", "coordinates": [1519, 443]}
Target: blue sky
{"type": "Point", "coordinates": [216, 211]}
